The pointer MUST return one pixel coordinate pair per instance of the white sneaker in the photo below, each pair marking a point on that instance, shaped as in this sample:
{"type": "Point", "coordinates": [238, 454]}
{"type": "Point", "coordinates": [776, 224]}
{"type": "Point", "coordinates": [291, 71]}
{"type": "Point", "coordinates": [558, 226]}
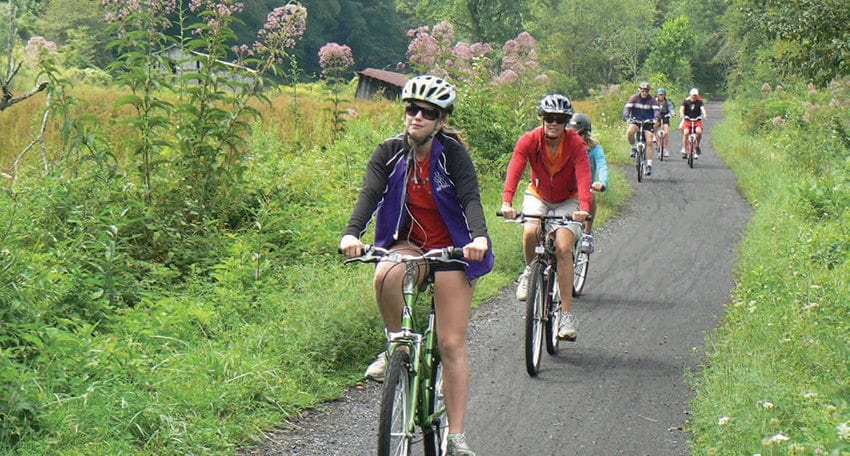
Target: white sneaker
{"type": "Point", "coordinates": [522, 286]}
{"type": "Point", "coordinates": [567, 327]}
{"type": "Point", "coordinates": [378, 368]}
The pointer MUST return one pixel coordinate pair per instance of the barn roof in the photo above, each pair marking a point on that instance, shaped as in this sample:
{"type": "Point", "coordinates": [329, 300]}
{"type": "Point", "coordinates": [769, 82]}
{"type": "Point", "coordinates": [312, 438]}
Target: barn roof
{"type": "Point", "coordinates": [396, 79]}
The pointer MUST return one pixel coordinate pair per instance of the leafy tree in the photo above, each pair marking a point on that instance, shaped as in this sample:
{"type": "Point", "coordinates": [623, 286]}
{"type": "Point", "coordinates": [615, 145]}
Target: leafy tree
{"type": "Point", "coordinates": [810, 38]}
{"type": "Point", "coordinates": [591, 42]}
{"type": "Point", "coordinates": [77, 27]}
{"type": "Point", "coordinates": [672, 53]}
{"type": "Point", "coordinates": [476, 20]}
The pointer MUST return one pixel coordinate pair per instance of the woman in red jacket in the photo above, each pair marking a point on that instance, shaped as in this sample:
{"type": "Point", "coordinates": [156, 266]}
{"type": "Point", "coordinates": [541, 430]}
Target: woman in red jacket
{"type": "Point", "coordinates": [560, 185]}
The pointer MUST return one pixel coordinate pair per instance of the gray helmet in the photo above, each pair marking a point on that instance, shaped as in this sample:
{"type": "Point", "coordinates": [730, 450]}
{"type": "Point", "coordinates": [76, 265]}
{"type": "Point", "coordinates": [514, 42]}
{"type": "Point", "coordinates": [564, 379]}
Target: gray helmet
{"type": "Point", "coordinates": [555, 104]}
{"type": "Point", "coordinates": [580, 122]}
{"type": "Point", "coordinates": [644, 85]}
{"type": "Point", "coordinates": [662, 91]}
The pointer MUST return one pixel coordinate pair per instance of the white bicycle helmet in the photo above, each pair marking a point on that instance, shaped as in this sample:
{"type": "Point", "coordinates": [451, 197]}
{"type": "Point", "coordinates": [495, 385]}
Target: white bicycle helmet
{"type": "Point", "coordinates": [430, 89]}
{"type": "Point", "coordinates": [555, 104]}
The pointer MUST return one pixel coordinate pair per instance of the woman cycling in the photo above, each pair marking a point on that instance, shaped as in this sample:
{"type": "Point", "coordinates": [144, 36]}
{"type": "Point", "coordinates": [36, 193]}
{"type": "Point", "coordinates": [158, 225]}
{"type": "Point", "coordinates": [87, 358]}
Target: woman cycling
{"type": "Point", "coordinates": [598, 168]}
{"type": "Point", "coordinates": [668, 109]}
{"type": "Point", "coordinates": [560, 184]}
{"type": "Point", "coordinates": [423, 190]}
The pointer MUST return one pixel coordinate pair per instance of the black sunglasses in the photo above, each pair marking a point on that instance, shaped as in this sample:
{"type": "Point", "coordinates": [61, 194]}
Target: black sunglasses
{"type": "Point", "coordinates": [427, 113]}
{"type": "Point", "coordinates": [555, 118]}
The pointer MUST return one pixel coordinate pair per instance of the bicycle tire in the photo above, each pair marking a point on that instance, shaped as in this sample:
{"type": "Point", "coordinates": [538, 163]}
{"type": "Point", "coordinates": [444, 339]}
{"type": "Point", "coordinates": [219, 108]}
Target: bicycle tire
{"type": "Point", "coordinates": [396, 409]}
{"type": "Point", "coordinates": [553, 307]}
{"type": "Point", "coordinates": [691, 154]}
{"type": "Point", "coordinates": [437, 433]}
{"type": "Point", "coordinates": [661, 148]}
{"type": "Point", "coordinates": [581, 262]}
{"type": "Point", "coordinates": [534, 319]}
{"type": "Point", "coordinates": [639, 163]}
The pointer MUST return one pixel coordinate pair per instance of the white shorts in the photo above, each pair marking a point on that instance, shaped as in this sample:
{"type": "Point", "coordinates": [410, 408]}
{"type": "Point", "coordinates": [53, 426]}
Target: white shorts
{"type": "Point", "coordinates": [532, 205]}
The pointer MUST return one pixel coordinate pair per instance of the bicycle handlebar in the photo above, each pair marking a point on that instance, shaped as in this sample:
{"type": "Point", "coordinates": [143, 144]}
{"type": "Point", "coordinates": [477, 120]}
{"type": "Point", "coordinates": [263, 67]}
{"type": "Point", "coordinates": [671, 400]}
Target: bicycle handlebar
{"type": "Point", "coordinates": [641, 122]}
{"type": "Point", "coordinates": [374, 254]}
{"type": "Point", "coordinates": [693, 119]}
{"type": "Point", "coordinates": [520, 217]}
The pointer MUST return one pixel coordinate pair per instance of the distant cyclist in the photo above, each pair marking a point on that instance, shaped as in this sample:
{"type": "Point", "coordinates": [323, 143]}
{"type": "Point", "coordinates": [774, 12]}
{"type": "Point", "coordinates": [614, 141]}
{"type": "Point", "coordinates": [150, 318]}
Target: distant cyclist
{"type": "Point", "coordinates": [560, 185]}
{"type": "Point", "coordinates": [640, 108]}
{"type": "Point", "coordinates": [692, 108]}
{"type": "Point", "coordinates": [667, 110]}
{"type": "Point", "coordinates": [598, 169]}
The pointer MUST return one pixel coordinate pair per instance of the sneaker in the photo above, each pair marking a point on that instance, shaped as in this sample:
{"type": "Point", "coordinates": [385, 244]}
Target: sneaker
{"type": "Point", "coordinates": [633, 152]}
{"type": "Point", "coordinates": [699, 151]}
{"type": "Point", "coordinates": [522, 286]}
{"type": "Point", "coordinates": [666, 152]}
{"type": "Point", "coordinates": [684, 154]}
{"type": "Point", "coordinates": [376, 370]}
{"type": "Point", "coordinates": [567, 327]}
{"type": "Point", "coordinates": [457, 446]}
{"type": "Point", "coordinates": [648, 170]}
{"type": "Point", "coordinates": [585, 245]}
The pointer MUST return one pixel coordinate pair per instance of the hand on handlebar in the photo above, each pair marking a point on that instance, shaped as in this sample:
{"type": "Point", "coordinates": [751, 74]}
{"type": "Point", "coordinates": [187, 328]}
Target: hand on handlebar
{"type": "Point", "coordinates": [475, 250]}
{"type": "Point", "coordinates": [507, 211]}
{"type": "Point", "coordinates": [350, 246]}
{"type": "Point", "coordinates": [598, 186]}
{"type": "Point", "coordinates": [580, 216]}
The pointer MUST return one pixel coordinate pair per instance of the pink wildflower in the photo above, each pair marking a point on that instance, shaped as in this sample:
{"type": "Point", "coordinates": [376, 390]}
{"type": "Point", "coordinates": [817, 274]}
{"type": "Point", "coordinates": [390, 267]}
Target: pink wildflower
{"type": "Point", "coordinates": [284, 25]}
{"type": "Point", "coordinates": [335, 58]}
{"type": "Point", "coordinates": [38, 49]}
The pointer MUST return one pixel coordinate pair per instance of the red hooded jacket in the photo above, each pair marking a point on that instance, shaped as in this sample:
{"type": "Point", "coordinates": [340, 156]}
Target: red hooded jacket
{"type": "Point", "coordinates": [573, 178]}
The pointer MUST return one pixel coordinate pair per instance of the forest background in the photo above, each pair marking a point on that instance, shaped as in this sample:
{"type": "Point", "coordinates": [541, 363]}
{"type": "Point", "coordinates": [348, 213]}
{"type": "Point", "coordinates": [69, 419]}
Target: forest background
{"type": "Point", "coordinates": [168, 277]}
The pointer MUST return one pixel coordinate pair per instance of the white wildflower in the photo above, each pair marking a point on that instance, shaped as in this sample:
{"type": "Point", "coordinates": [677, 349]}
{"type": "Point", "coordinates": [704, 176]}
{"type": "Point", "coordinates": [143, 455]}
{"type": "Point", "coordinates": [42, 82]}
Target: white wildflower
{"type": "Point", "coordinates": [778, 438]}
{"type": "Point", "coordinates": [723, 420]}
{"type": "Point", "coordinates": [844, 430]}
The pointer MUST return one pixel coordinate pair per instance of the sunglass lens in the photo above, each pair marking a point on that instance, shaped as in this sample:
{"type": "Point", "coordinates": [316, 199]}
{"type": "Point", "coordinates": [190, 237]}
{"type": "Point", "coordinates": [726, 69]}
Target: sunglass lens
{"type": "Point", "coordinates": [427, 113]}
{"type": "Point", "coordinates": [551, 118]}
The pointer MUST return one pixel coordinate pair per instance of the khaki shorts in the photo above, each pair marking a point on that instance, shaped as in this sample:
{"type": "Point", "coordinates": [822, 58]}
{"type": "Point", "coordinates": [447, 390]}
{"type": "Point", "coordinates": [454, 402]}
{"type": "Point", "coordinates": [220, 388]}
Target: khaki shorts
{"type": "Point", "coordinates": [532, 205]}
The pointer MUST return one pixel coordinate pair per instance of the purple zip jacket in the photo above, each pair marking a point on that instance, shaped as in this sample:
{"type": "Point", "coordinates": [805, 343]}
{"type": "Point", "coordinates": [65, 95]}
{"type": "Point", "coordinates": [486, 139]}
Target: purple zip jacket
{"type": "Point", "coordinates": [454, 184]}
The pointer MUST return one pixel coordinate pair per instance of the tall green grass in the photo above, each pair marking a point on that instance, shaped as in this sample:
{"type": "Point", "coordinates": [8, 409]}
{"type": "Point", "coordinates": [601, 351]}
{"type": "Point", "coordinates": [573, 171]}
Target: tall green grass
{"type": "Point", "coordinates": [777, 376]}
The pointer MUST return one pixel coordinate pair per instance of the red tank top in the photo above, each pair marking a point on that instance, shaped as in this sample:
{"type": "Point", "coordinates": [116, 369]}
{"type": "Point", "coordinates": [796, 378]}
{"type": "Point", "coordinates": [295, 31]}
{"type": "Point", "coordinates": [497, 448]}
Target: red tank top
{"type": "Point", "coordinates": [426, 227]}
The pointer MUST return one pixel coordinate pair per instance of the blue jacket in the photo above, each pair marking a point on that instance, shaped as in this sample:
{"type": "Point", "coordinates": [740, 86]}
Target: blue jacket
{"type": "Point", "coordinates": [454, 184]}
{"type": "Point", "coordinates": [598, 165]}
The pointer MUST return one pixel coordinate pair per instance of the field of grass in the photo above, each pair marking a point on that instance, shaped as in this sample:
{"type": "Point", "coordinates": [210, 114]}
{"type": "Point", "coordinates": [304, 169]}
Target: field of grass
{"type": "Point", "coordinates": [776, 380]}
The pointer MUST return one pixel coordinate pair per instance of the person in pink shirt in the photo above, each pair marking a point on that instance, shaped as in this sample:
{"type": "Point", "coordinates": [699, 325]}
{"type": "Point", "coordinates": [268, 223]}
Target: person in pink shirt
{"type": "Point", "coordinates": [560, 185]}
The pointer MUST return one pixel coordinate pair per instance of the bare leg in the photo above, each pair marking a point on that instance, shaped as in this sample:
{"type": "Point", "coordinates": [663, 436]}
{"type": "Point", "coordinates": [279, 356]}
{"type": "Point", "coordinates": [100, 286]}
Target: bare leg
{"type": "Point", "coordinates": [388, 281]}
{"type": "Point", "coordinates": [564, 239]}
{"type": "Point", "coordinates": [453, 298]}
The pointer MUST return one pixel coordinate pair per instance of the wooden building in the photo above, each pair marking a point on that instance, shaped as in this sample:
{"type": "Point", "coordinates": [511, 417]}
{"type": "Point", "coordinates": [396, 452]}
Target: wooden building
{"type": "Point", "coordinates": [372, 82]}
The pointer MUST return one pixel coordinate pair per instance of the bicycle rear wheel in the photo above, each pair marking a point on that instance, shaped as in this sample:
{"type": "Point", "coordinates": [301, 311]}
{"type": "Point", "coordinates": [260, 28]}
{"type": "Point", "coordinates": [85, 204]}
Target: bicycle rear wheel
{"type": "Point", "coordinates": [436, 435]}
{"type": "Point", "coordinates": [394, 430]}
{"type": "Point", "coordinates": [534, 319]}
{"type": "Point", "coordinates": [581, 261]}
{"type": "Point", "coordinates": [661, 148]}
{"type": "Point", "coordinates": [553, 309]}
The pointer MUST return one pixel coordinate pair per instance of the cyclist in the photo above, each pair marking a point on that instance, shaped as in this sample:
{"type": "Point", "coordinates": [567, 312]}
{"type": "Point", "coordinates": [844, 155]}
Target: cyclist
{"type": "Point", "coordinates": [560, 184]}
{"type": "Point", "coordinates": [598, 169]}
{"type": "Point", "coordinates": [693, 108]}
{"type": "Point", "coordinates": [666, 110]}
{"type": "Point", "coordinates": [641, 107]}
{"type": "Point", "coordinates": [423, 190]}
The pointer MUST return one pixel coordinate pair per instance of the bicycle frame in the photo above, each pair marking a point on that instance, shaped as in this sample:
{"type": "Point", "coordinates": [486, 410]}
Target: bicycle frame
{"type": "Point", "coordinates": [640, 144]}
{"type": "Point", "coordinates": [541, 317]}
{"type": "Point", "coordinates": [420, 347]}
{"type": "Point", "coordinates": [690, 126]}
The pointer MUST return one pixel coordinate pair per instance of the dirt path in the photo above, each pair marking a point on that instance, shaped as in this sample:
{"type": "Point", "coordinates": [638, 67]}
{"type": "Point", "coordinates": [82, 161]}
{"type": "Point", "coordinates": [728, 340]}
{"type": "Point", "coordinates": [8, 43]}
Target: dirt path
{"type": "Point", "coordinates": [658, 281]}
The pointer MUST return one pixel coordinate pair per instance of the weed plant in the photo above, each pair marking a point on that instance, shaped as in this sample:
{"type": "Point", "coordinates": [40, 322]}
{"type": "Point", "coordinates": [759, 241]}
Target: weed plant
{"type": "Point", "coordinates": [777, 376]}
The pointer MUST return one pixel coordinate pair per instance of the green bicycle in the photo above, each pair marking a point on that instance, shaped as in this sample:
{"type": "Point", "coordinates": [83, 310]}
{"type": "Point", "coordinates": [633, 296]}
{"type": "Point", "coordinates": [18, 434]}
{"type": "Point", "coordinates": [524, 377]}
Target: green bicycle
{"type": "Point", "coordinates": [413, 384]}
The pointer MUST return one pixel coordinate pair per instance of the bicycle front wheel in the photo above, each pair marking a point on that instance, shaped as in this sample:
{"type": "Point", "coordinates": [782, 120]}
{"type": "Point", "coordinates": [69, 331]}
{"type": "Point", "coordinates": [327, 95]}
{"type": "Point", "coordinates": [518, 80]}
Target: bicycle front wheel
{"type": "Point", "coordinates": [534, 319]}
{"type": "Point", "coordinates": [691, 152]}
{"type": "Point", "coordinates": [640, 160]}
{"type": "Point", "coordinates": [553, 310]}
{"type": "Point", "coordinates": [395, 425]}
{"type": "Point", "coordinates": [581, 261]}
{"type": "Point", "coordinates": [436, 435]}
